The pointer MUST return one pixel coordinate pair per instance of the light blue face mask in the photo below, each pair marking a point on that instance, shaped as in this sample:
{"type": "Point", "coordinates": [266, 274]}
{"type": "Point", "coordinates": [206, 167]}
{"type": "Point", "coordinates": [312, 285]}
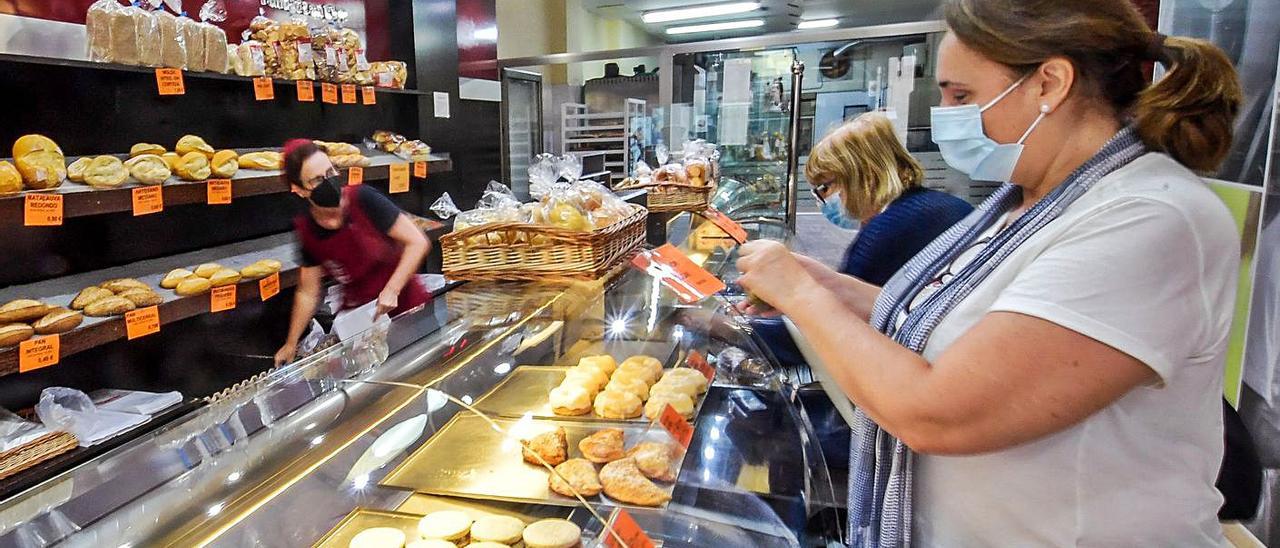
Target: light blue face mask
{"type": "Point", "coordinates": [965, 146]}
{"type": "Point", "coordinates": [833, 210]}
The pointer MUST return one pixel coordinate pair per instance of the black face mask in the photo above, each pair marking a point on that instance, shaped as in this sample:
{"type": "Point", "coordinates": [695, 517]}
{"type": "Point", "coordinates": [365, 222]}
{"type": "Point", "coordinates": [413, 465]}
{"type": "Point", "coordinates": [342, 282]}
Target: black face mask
{"type": "Point", "coordinates": [328, 193]}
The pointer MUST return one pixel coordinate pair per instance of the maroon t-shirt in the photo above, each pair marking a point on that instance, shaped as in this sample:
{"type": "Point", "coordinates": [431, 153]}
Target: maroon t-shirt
{"type": "Point", "coordinates": [360, 255]}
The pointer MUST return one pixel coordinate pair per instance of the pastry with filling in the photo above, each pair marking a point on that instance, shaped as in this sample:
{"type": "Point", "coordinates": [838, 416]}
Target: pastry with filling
{"type": "Point", "coordinates": [445, 525]}
{"type": "Point", "coordinates": [612, 404]}
{"type": "Point", "coordinates": [682, 403]}
{"type": "Point", "coordinates": [552, 533]}
{"type": "Point", "coordinates": [604, 446]}
{"type": "Point", "coordinates": [105, 172]}
{"type": "Point", "coordinates": [59, 320]}
{"type": "Point", "coordinates": [634, 385]}
{"type": "Point", "coordinates": [499, 529]}
{"type": "Point", "coordinates": [23, 311]}
{"type": "Point", "coordinates": [655, 460]}
{"type": "Point", "coordinates": [570, 400]}
{"type": "Point", "coordinates": [89, 295]}
{"type": "Point", "coordinates": [576, 476]}
{"type": "Point", "coordinates": [378, 537]}
{"type": "Point", "coordinates": [552, 446]}
{"type": "Point", "coordinates": [15, 333]}
{"type": "Point", "coordinates": [623, 482]}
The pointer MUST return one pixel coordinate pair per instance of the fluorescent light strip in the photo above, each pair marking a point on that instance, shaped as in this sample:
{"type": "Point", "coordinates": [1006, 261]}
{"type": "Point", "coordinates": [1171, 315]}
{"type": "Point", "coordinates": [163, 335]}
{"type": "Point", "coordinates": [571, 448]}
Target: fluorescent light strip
{"type": "Point", "coordinates": [680, 14]}
{"type": "Point", "coordinates": [728, 25]}
{"type": "Point", "coordinates": [818, 24]}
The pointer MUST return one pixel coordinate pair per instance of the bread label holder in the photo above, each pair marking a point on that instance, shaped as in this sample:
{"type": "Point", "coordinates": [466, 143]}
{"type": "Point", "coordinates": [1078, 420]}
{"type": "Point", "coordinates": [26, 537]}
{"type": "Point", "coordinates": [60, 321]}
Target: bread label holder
{"type": "Point", "coordinates": [306, 91]}
{"type": "Point", "coordinates": [674, 269]}
{"type": "Point", "coordinates": [169, 81]}
{"type": "Point", "coordinates": [399, 178]}
{"type": "Point", "coordinates": [39, 353]}
{"type": "Point", "coordinates": [348, 94]}
{"type": "Point", "coordinates": [699, 363]}
{"type": "Point", "coordinates": [263, 88]}
{"type": "Point", "coordinates": [674, 424]}
{"type": "Point", "coordinates": [729, 226]}
{"type": "Point", "coordinates": [420, 170]}
{"type": "Point", "coordinates": [222, 298]}
{"type": "Point", "coordinates": [148, 200]}
{"type": "Point", "coordinates": [270, 286]}
{"type": "Point", "coordinates": [142, 322]}
{"type": "Point", "coordinates": [218, 191]}
{"type": "Point", "coordinates": [329, 93]}
{"type": "Point", "coordinates": [625, 528]}
{"type": "Point", "coordinates": [42, 210]}
{"type": "Point", "coordinates": [368, 95]}
{"type": "Point", "coordinates": [355, 175]}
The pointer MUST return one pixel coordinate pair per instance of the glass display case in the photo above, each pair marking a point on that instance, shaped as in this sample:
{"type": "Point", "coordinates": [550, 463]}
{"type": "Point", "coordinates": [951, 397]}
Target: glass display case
{"type": "Point", "coordinates": [431, 413]}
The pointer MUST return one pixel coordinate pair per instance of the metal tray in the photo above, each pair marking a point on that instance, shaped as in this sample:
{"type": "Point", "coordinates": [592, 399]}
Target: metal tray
{"type": "Point", "coordinates": [406, 517]}
{"type": "Point", "coordinates": [468, 458]}
{"type": "Point", "coordinates": [360, 519]}
{"type": "Point", "coordinates": [664, 351]}
{"type": "Point", "coordinates": [526, 389]}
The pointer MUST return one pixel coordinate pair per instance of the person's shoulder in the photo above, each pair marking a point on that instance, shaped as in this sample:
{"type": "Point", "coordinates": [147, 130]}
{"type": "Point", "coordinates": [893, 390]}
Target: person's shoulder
{"type": "Point", "coordinates": [1156, 178]}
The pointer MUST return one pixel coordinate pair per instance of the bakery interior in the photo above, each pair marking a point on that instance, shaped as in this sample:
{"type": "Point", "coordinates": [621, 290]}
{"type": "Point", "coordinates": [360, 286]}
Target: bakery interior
{"type": "Point", "coordinates": [150, 266]}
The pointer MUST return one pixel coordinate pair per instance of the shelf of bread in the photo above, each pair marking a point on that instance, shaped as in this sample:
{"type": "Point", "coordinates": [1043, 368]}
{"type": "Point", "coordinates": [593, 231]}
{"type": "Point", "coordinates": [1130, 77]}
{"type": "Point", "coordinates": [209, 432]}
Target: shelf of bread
{"type": "Point", "coordinates": [88, 310]}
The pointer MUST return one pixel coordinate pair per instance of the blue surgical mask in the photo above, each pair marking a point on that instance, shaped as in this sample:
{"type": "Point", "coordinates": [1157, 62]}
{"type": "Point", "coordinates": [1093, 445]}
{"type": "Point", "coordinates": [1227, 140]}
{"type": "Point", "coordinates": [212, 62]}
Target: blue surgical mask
{"type": "Point", "coordinates": [833, 210]}
{"type": "Point", "coordinates": [964, 144]}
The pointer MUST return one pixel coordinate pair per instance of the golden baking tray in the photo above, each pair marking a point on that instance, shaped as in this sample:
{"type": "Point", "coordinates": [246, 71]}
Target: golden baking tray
{"type": "Point", "coordinates": [468, 458]}
{"type": "Point", "coordinates": [361, 519]}
{"type": "Point", "coordinates": [406, 517]}
{"type": "Point", "coordinates": [526, 390]}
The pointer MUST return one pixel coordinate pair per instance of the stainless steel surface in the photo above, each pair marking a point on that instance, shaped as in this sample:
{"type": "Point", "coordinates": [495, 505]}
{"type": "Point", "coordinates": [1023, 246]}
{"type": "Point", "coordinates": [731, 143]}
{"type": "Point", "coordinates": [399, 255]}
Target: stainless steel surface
{"type": "Point", "coordinates": [469, 458]}
{"type": "Point", "coordinates": [42, 37]}
{"type": "Point", "coordinates": [793, 144]}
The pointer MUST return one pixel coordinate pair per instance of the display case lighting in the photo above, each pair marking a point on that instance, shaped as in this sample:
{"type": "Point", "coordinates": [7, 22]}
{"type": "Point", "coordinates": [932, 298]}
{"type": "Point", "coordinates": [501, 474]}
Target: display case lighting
{"type": "Point", "coordinates": [699, 12]}
{"type": "Point", "coordinates": [710, 27]}
{"type": "Point", "coordinates": [818, 24]}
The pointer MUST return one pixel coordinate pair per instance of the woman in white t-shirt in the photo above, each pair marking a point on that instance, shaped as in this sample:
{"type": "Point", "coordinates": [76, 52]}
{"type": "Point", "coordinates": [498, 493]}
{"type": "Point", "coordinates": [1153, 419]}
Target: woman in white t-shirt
{"type": "Point", "coordinates": [1049, 371]}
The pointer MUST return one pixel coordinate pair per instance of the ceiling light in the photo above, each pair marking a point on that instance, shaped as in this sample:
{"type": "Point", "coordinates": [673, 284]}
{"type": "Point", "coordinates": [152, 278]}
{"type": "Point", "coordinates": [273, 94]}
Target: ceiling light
{"type": "Point", "coordinates": [728, 25]}
{"type": "Point", "coordinates": [680, 14]}
{"type": "Point", "coordinates": [819, 24]}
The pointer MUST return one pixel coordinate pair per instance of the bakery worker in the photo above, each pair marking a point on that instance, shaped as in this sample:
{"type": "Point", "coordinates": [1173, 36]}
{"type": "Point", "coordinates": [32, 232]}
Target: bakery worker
{"type": "Point", "coordinates": [354, 234]}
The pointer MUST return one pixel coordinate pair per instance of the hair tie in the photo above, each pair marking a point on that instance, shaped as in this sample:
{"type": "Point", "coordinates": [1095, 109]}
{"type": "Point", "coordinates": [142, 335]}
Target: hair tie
{"type": "Point", "coordinates": [1155, 48]}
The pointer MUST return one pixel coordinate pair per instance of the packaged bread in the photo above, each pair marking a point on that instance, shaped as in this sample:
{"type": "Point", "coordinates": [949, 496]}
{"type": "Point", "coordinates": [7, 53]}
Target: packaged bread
{"type": "Point", "coordinates": [14, 333]}
{"type": "Point", "coordinates": [58, 320]}
{"type": "Point", "coordinates": [149, 169]}
{"type": "Point", "coordinates": [263, 160]}
{"type": "Point", "coordinates": [193, 37]}
{"type": "Point", "coordinates": [10, 179]}
{"type": "Point", "coordinates": [207, 270]}
{"type": "Point", "coordinates": [224, 163]}
{"type": "Point", "coordinates": [234, 65]}
{"type": "Point", "coordinates": [171, 159]}
{"type": "Point", "coordinates": [124, 34]}
{"type": "Point", "coordinates": [22, 310]}
{"type": "Point", "coordinates": [193, 143]}
{"type": "Point", "coordinates": [105, 172]}
{"type": "Point", "coordinates": [292, 33]}
{"type": "Point", "coordinates": [150, 53]}
{"type": "Point", "coordinates": [141, 298]}
{"type": "Point", "coordinates": [173, 46]}
{"type": "Point", "coordinates": [89, 295]}
{"type": "Point", "coordinates": [109, 306]}
{"type": "Point", "coordinates": [97, 26]}
{"type": "Point", "coordinates": [175, 277]}
{"type": "Point", "coordinates": [194, 285]}
{"type": "Point", "coordinates": [40, 162]}
{"type": "Point", "coordinates": [119, 285]}
{"type": "Point", "coordinates": [414, 150]}
{"type": "Point", "coordinates": [215, 48]}
{"type": "Point", "coordinates": [145, 148]}
{"type": "Point", "coordinates": [225, 276]}
{"type": "Point", "coordinates": [194, 166]}
{"type": "Point", "coordinates": [250, 59]}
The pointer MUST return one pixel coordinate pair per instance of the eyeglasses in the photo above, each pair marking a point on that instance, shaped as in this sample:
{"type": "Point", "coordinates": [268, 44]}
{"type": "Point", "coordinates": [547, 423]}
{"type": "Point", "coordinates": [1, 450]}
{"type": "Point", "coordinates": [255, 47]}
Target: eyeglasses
{"type": "Point", "coordinates": [819, 191]}
{"type": "Point", "coordinates": [315, 181]}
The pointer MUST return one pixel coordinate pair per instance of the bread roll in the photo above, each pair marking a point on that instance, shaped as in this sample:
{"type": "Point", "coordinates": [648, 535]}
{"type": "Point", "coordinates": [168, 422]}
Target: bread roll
{"type": "Point", "coordinates": [105, 172]}
{"type": "Point", "coordinates": [75, 170]}
{"type": "Point", "coordinates": [223, 277]}
{"type": "Point", "coordinates": [89, 295]}
{"type": "Point", "coordinates": [149, 169]}
{"type": "Point", "coordinates": [60, 320]}
{"type": "Point", "coordinates": [145, 148]}
{"type": "Point", "coordinates": [109, 306]}
{"type": "Point", "coordinates": [119, 285]}
{"type": "Point", "coordinates": [142, 298]}
{"type": "Point", "coordinates": [23, 311]}
{"type": "Point", "coordinates": [15, 333]}
{"type": "Point", "coordinates": [194, 285]}
{"type": "Point", "coordinates": [349, 160]}
{"type": "Point", "coordinates": [224, 163]}
{"type": "Point", "coordinates": [171, 160]}
{"type": "Point", "coordinates": [174, 277]}
{"type": "Point", "coordinates": [338, 149]}
{"type": "Point", "coordinates": [193, 143]}
{"type": "Point", "coordinates": [612, 404]}
{"type": "Point", "coordinates": [10, 179]}
{"type": "Point", "coordinates": [263, 160]}
{"type": "Point", "coordinates": [260, 269]}
{"type": "Point", "coordinates": [207, 270]}
{"type": "Point", "coordinates": [552, 533]}
{"type": "Point", "coordinates": [194, 166]}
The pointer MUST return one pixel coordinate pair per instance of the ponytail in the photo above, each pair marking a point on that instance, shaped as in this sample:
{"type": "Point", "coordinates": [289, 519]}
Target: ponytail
{"type": "Point", "coordinates": [1189, 114]}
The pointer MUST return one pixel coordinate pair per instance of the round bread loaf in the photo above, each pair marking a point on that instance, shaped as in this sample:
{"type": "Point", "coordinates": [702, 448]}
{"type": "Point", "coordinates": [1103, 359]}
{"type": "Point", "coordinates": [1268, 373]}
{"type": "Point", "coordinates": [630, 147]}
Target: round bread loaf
{"type": "Point", "coordinates": [15, 333]}
{"type": "Point", "coordinates": [194, 285]}
{"type": "Point", "coordinates": [22, 311]}
{"type": "Point", "coordinates": [60, 320]}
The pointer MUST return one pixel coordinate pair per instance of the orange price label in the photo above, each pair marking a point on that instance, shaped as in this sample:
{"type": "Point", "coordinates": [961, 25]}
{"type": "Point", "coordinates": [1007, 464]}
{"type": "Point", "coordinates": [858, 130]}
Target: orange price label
{"type": "Point", "coordinates": [147, 200]}
{"type": "Point", "coordinates": [399, 178]}
{"type": "Point", "coordinates": [270, 286]}
{"type": "Point", "coordinates": [263, 88]}
{"type": "Point", "coordinates": [169, 81]}
{"type": "Point", "coordinates": [142, 322]}
{"type": "Point", "coordinates": [219, 191]}
{"type": "Point", "coordinates": [42, 210]}
{"type": "Point", "coordinates": [368, 96]}
{"type": "Point", "coordinates": [329, 93]}
{"type": "Point", "coordinates": [355, 175]}
{"type": "Point", "coordinates": [420, 170]}
{"type": "Point", "coordinates": [729, 226]}
{"type": "Point", "coordinates": [306, 91]}
{"type": "Point", "coordinates": [628, 531]}
{"type": "Point", "coordinates": [39, 353]}
{"type": "Point", "coordinates": [674, 424]}
{"type": "Point", "coordinates": [699, 363]}
{"type": "Point", "coordinates": [673, 269]}
{"type": "Point", "coordinates": [348, 94]}
{"type": "Point", "coordinates": [222, 298]}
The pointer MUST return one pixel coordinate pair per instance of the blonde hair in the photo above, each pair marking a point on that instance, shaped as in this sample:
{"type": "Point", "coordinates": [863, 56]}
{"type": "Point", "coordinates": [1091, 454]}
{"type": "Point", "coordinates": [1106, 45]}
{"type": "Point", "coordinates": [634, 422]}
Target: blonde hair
{"type": "Point", "coordinates": [865, 161]}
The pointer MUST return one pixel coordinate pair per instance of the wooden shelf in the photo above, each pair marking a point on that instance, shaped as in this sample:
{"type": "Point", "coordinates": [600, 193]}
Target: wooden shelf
{"type": "Point", "coordinates": [83, 201]}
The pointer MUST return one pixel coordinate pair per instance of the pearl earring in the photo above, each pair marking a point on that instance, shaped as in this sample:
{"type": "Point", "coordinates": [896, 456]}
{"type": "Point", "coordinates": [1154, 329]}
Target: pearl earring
{"type": "Point", "coordinates": [1044, 108]}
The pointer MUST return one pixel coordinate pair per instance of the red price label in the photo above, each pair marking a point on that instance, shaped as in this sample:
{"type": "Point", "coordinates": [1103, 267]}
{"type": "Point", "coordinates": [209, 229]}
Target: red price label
{"type": "Point", "coordinates": [306, 91]}
{"type": "Point", "coordinates": [674, 424]}
{"type": "Point", "coordinates": [673, 269]}
{"type": "Point", "coordinates": [222, 298]}
{"type": "Point", "coordinates": [698, 363]}
{"type": "Point", "coordinates": [39, 353]}
{"type": "Point", "coordinates": [42, 210]}
{"type": "Point", "coordinates": [263, 88]}
{"type": "Point", "coordinates": [270, 286]}
{"type": "Point", "coordinates": [420, 170]}
{"type": "Point", "coordinates": [329, 93]}
{"type": "Point", "coordinates": [218, 191]}
{"type": "Point", "coordinates": [628, 531]}
{"type": "Point", "coordinates": [368, 96]}
{"type": "Point", "coordinates": [169, 81]}
{"type": "Point", "coordinates": [147, 200]}
{"type": "Point", "coordinates": [348, 94]}
{"type": "Point", "coordinates": [399, 178]}
{"type": "Point", "coordinates": [729, 226]}
{"type": "Point", "coordinates": [142, 322]}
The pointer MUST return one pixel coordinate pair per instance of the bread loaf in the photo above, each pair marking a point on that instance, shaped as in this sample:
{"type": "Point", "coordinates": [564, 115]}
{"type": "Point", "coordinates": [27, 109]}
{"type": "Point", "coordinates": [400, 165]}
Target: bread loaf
{"type": "Point", "coordinates": [124, 35]}
{"type": "Point", "coordinates": [119, 285]}
{"type": "Point", "coordinates": [15, 333]}
{"type": "Point", "coordinates": [207, 270]}
{"type": "Point", "coordinates": [215, 48]}
{"type": "Point", "coordinates": [194, 166]}
{"type": "Point", "coordinates": [193, 37]}
{"type": "Point", "coordinates": [75, 170]}
{"type": "Point", "coordinates": [223, 277]}
{"type": "Point", "coordinates": [263, 160]}
{"type": "Point", "coordinates": [60, 320]}
{"type": "Point", "coordinates": [109, 306]}
{"type": "Point", "coordinates": [105, 172]}
{"type": "Point", "coordinates": [22, 310]}
{"type": "Point", "coordinates": [149, 52]}
{"type": "Point", "coordinates": [224, 163]}
{"type": "Point", "coordinates": [194, 285]}
{"type": "Point", "coordinates": [173, 48]}
{"type": "Point", "coordinates": [141, 297]}
{"type": "Point", "coordinates": [148, 169]}
{"type": "Point", "coordinates": [175, 277]}
{"type": "Point", "coordinates": [88, 295]}
{"type": "Point", "coordinates": [260, 269]}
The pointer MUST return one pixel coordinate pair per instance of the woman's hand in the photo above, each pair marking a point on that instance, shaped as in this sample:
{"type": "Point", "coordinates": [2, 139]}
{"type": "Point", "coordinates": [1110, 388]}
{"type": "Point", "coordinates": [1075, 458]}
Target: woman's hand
{"type": "Point", "coordinates": [286, 354]}
{"type": "Point", "coordinates": [772, 274]}
{"type": "Point", "coordinates": [388, 300]}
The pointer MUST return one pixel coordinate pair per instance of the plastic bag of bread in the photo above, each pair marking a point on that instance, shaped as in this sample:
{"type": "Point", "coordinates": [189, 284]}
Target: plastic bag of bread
{"type": "Point", "coordinates": [324, 47]}
{"type": "Point", "coordinates": [697, 168]}
{"type": "Point", "coordinates": [292, 35]}
{"type": "Point", "coordinates": [670, 174]}
{"type": "Point", "coordinates": [193, 37]}
{"type": "Point", "coordinates": [444, 208]}
{"type": "Point", "coordinates": [389, 74]}
{"type": "Point", "coordinates": [173, 44]}
{"type": "Point", "coordinates": [215, 48]}
{"type": "Point", "coordinates": [479, 217]}
{"type": "Point", "coordinates": [97, 26]}
{"type": "Point", "coordinates": [603, 207]}
{"type": "Point", "coordinates": [40, 162]}
{"type": "Point", "coordinates": [561, 209]}
{"type": "Point", "coordinates": [150, 51]}
{"type": "Point", "coordinates": [251, 59]}
{"type": "Point", "coordinates": [542, 175]}
{"type": "Point", "coordinates": [10, 179]}
{"type": "Point", "coordinates": [415, 151]}
{"type": "Point", "coordinates": [124, 34]}
{"type": "Point", "coordinates": [149, 169]}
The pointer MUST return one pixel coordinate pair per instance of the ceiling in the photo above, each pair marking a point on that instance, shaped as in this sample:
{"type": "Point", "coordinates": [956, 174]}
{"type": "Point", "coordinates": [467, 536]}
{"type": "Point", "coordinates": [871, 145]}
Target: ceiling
{"type": "Point", "coordinates": [778, 15]}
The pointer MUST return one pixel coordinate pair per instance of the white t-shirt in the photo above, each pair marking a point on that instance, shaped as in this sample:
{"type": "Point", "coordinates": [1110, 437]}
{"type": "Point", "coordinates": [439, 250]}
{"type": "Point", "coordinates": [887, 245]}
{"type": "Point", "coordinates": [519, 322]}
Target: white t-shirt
{"type": "Point", "coordinates": [1145, 262]}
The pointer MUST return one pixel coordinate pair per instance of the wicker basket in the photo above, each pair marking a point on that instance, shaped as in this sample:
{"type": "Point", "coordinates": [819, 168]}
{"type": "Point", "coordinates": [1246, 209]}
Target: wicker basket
{"type": "Point", "coordinates": [35, 452]}
{"type": "Point", "coordinates": [670, 197]}
{"type": "Point", "coordinates": [558, 254]}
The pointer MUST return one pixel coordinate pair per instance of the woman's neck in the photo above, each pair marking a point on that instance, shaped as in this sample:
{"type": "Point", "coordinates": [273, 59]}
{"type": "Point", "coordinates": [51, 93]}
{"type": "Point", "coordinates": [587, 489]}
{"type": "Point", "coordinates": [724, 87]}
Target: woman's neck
{"type": "Point", "coordinates": [1080, 143]}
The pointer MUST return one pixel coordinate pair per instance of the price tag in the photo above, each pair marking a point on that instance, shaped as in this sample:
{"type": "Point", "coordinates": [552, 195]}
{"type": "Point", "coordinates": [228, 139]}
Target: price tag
{"type": "Point", "coordinates": [399, 178]}
{"type": "Point", "coordinates": [348, 94]}
{"type": "Point", "coordinates": [675, 425]}
{"type": "Point", "coordinates": [355, 175]}
{"type": "Point", "coordinates": [42, 210]}
{"type": "Point", "coordinates": [329, 93]}
{"type": "Point", "coordinates": [222, 298]}
{"type": "Point", "coordinates": [306, 91]}
{"type": "Point", "coordinates": [219, 191]}
{"type": "Point", "coordinates": [698, 363]}
{"type": "Point", "coordinates": [263, 88]}
{"type": "Point", "coordinates": [142, 322]}
{"type": "Point", "coordinates": [270, 286]}
{"type": "Point", "coordinates": [729, 226]}
{"type": "Point", "coordinates": [147, 200]}
{"type": "Point", "coordinates": [169, 81]}
{"type": "Point", "coordinates": [39, 353]}
{"type": "Point", "coordinates": [420, 170]}
{"type": "Point", "coordinates": [626, 528]}
{"type": "Point", "coordinates": [368, 96]}
{"type": "Point", "coordinates": [673, 269]}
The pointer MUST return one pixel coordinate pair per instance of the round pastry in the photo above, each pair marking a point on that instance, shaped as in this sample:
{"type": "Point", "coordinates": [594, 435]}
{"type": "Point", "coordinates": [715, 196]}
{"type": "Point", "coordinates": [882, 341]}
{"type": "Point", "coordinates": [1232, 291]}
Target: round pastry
{"type": "Point", "coordinates": [378, 537]}
{"type": "Point", "coordinates": [225, 163]}
{"type": "Point", "coordinates": [15, 333]}
{"type": "Point", "coordinates": [445, 525]}
{"type": "Point", "coordinates": [10, 179]}
{"type": "Point", "coordinates": [612, 404]}
{"type": "Point", "coordinates": [145, 148]}
{"type": "Point", "coordinates": [650, 369]}
{"type": "Point", "coordinates": [122, 284]}
{"type": "Point", "coordinates": [675, 386]}
{"type": "Point", "coordinates": [552, 533]}
{"type": "Point", "coordinates": [634, 385]}
{"type": "Point", "coordinates": [59, 320]}
{"type": "Point", "coordinates": [109, 306]}
{"type": "Point", "coordinates": [593, 366]}
{"type": "Point", "coordinates": [604, 361]}
{"type": "Point", "coordinates": [149, 169]}
{"type": "Point", "coordinates": [141, 297]}
{"type": "Point", "coordinates": [194, 166]}
{"type": "Point", "coordinates": [194, 285]}
{"type": "Point", "coordinates": [207, 270]}
{"type": "Point", "coordinates": [489, 544]}
{"type": "Point", "coordinates": [171, 159]}
{"type": "Point", "coordinates": [191, 143]}
{"type": "Point", "coordinates": [591, 379]}
{"type": "Point", "coordinates": [75, 171]}
{"type": "Point", "coordinates": [105, 172]}
{"type": "Point", "coordinates": [502, 529]}
{"type": "Point", "coordinates": [175, 277]}
{"type": "Point", "coordinates": [23, 311]}
{"type": "Point", "coordinates": [89, 295]}
{"type": "Point", "coordinates": [685, 374]}
{"type": "Point", "coordinates": [570, 400]}
{"type": "Point", "coordinates": [431, 543]}
{"type": "Point", "coordinates": [223, 277]}
{"type": "Point", "coordinates": [682, 403]}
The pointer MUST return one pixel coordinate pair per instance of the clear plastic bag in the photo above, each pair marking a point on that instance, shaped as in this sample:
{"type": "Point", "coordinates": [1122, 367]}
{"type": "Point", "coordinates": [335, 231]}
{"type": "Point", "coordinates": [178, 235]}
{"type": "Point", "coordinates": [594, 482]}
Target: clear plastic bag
{"type": "Point", "coordinates": [215, 48]}
{"type": "Point", "coordinates": [569, 167]}
{"type": "Point", "coordinates": [543, 173]}
{"type": "Point", "coordinates": [498, 196]}
{"type": "Point", "coordinates": [193, 37]}
{"type": "Point", "coordinates": [16, 431]}
{"type": "Point", "coordinates": [97, 24]}
{"type": "Point", "coordinates": [173, 44]}
{"type": "Point", "coordinates": [66, 410]}
{"type": "Point", "coordinates": [150, 46]}
{"type": "Point", "coordinates": [124, 34]}
{"type": "Point", "coordinates": [250, 59]}
{"type": "Point", "coordinates": [444, 207]}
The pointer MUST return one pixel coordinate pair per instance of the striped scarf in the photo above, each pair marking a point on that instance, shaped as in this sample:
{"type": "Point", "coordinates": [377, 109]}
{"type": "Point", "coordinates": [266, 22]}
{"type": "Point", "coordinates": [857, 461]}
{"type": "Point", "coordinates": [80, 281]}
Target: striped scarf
{"type": "Point", "coordinates": [879, 464]}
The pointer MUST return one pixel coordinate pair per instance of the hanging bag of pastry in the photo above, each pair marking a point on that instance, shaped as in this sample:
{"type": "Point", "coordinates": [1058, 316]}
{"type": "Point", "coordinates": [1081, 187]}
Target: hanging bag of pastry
{"type": "Point", "coordinates": [97, 26]}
